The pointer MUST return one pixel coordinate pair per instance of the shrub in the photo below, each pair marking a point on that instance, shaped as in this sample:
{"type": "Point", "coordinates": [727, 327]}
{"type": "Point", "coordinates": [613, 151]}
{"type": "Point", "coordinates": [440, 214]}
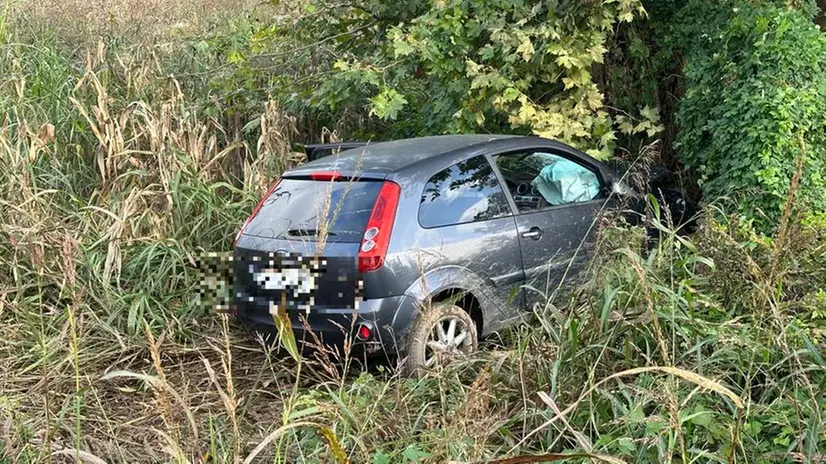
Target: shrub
{"type": "Point", "coordinates": [459, 66]}
{"type": "Point", "coordinates": [755, 101]}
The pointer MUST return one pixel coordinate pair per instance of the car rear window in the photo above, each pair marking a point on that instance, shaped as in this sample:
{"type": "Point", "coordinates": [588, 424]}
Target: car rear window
{"type": "Point", "coordinates": [298, 209]}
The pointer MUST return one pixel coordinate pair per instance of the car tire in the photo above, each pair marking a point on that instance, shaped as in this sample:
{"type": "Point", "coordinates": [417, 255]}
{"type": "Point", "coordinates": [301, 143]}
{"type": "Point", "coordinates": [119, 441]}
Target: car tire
{"type": "Point", "coordinates": [423, 348]}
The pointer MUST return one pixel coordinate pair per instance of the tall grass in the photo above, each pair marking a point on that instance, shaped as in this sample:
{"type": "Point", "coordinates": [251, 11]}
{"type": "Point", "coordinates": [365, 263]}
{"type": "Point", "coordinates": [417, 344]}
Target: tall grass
{"type": "Point", "coordinates": [118, 171]}
{"type": "Point", "coordinates": [113, 183]}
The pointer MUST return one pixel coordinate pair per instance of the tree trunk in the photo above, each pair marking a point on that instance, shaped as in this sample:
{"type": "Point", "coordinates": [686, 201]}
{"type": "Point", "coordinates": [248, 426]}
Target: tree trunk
{"type": "Point", "coordinates": [820, 19]}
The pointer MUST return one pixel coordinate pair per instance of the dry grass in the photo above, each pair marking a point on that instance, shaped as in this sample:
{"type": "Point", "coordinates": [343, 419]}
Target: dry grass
{"type": "Point", "coordinates": [130, 411]}
{"type": "Point", "coordinates": [142, 19]}
{"type": "Point", "coordinates": [103, 356]}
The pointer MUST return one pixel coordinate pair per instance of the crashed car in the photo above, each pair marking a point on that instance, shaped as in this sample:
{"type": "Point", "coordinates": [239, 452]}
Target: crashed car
{"type": "Point", "coordinates": [419, 247]}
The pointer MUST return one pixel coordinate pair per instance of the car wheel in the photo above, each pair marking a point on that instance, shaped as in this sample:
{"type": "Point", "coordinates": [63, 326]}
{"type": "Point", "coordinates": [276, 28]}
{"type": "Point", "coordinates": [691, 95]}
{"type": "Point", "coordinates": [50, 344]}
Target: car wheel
{"type": "Point", "coordinates": [440, 334]}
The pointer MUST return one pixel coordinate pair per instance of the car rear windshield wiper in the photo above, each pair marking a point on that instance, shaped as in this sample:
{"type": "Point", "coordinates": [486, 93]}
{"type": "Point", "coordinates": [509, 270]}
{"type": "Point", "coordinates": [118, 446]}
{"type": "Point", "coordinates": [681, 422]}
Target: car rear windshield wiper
{"type": "Point", "coordinates": [308, 233]}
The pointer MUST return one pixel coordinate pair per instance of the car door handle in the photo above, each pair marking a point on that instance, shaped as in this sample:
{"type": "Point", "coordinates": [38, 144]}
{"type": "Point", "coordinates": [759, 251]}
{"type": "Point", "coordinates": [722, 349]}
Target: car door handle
{"type": "Point", "coordinates": [535, 233]}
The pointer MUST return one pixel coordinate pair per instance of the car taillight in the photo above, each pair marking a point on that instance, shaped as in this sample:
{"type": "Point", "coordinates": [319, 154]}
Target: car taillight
{"type": "Point", "coordinates": [256, 210]}
{"type": "Point", "coordinates": [364, 333]}
{"type": "Point", "coordinates": [376, 237]}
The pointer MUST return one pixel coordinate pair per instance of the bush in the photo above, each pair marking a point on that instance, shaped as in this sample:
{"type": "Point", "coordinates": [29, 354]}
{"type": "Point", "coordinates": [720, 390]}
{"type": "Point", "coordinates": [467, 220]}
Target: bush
{"type": "Point", "coordinates": [458, 66]}
{"type": "Point", "coordinates": [754, 103]}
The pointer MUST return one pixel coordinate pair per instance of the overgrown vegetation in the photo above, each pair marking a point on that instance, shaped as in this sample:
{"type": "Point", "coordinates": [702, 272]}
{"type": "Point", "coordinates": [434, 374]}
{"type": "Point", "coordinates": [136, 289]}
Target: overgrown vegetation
{"type": "Point", "coordinates": [754, 104]}
{"type": "Point", "coordinates": [128, 150]}
{"type": "Point", "coordinates": [460, 66]}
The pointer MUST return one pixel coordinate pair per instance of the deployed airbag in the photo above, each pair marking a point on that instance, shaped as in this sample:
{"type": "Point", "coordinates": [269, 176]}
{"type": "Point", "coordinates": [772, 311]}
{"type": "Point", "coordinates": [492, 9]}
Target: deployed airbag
{"type": "Point", "coordinates": [562, 182]}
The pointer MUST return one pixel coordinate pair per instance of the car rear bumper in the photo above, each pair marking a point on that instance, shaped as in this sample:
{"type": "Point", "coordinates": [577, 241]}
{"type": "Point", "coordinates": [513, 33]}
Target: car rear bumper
{"type": "Point", "coordinates": [388, 318]}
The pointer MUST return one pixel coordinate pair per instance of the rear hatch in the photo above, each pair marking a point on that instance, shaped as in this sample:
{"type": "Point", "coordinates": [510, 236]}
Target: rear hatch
{"type": "Point", "coordinates": [301, 246]}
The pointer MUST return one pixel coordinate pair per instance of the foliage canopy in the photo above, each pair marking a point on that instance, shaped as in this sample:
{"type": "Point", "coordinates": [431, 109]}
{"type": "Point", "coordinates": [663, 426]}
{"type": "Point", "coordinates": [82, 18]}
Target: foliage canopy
{"type": "Point", "coordinates": [471, 66]}
{"type": "Point", "coordinates": [753, 89]}
{"type": "Point", "coordinates": [754, 102]}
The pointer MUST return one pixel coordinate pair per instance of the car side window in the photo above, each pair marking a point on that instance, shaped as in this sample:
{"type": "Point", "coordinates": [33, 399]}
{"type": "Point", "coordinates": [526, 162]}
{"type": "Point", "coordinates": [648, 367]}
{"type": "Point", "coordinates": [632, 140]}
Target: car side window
{"type": "Point", "coordinates": [538, 180]}
{"type": "Point", "coordinates": [465, 192]}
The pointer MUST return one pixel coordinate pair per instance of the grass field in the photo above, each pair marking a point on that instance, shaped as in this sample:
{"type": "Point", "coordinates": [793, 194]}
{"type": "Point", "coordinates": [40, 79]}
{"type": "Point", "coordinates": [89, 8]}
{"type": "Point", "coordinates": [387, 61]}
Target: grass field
{"type": "Point", "coordinates": [118, 171]}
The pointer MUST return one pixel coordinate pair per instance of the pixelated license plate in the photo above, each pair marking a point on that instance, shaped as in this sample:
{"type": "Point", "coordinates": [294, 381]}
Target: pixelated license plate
{"type": "Point", "coordinates": [295, 281]}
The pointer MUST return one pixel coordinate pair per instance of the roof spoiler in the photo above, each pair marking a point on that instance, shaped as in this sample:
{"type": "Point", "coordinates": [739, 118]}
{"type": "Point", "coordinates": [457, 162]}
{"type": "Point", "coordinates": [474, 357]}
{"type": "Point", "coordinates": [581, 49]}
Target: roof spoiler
{"type": "Point", "coordinates": [317, 151]}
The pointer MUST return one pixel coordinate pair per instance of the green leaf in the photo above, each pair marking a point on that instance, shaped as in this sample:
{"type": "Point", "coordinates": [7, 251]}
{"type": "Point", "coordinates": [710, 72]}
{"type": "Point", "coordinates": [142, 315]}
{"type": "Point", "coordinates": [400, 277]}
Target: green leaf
{"type": "Point", "coordinates": [510, 94]}
{"type": "Point", "coordinates": [380, 457]}
{"type": "Point", "coordinates": [235, 57]}
{"type": "Point", "coordinates": [526, 49]}
{"type": "Point", "coordinates": [654, 427]}
{"type": "Point", "coordinates": [414, 454]}
{"type": "Point", "coordinates": [699, 417]}
{"type": "Point", "coordinates": [626, 445]}
{"type": "Point", "coordinates": [472, 68]}
{"type": "Point", "coordinates": [387, 104]}
{"type": "Point", "coordinates": [650, 114]}
{"type": "Point", "coordinates": [201, 46]}
{"type": "Point", "coordinates": [402, 46]}
{"type": "Point", "coordinates": [635, 415]}
{"type": "Point", "coordinates": [655, 205]}
{"type": "Point", "coordinates": [284, 330]}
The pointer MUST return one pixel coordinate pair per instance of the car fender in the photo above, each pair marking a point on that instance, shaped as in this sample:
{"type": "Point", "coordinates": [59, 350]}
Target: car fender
{"type": "Point", "coordinates": [496, 310]}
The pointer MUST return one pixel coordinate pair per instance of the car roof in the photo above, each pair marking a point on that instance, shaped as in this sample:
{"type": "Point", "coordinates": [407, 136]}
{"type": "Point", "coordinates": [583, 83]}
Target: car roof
{"type": "Point", "coordinates": [383, 158]}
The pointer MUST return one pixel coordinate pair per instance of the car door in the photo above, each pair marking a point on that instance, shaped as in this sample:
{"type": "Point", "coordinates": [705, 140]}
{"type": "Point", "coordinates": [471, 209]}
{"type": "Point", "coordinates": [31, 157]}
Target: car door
{"type": "Point", "coordinates": [467, 237]}
{"type": "Point", "coordinates": [557, 198]}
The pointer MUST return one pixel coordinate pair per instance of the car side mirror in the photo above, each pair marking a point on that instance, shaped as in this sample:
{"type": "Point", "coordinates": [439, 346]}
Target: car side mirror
{"type": "Point", "coordinates": [621, 189]}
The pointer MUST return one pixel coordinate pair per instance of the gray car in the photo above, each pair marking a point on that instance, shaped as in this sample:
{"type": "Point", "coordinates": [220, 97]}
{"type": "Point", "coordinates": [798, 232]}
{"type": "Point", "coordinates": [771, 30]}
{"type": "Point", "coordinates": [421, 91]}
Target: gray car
{"type": "Point", "coordinates": [418, 247]}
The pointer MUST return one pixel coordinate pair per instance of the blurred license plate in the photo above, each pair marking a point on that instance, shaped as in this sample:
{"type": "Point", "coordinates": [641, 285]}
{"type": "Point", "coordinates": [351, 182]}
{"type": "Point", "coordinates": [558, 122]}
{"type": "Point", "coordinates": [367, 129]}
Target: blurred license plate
{"type": "Point", "coordinates": [295, 281]}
